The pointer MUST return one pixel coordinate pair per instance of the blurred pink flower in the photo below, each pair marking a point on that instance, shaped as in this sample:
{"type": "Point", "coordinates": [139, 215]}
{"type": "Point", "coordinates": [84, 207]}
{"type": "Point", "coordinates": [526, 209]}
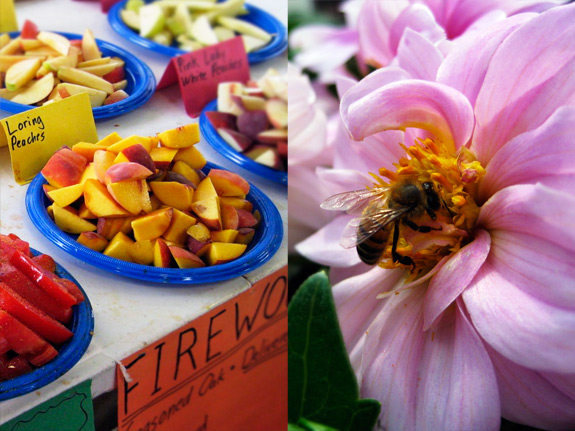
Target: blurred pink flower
{"type": "Point", "coordinates": [489, 330]}
{"type": "Point", "coordinates": [376, 31]}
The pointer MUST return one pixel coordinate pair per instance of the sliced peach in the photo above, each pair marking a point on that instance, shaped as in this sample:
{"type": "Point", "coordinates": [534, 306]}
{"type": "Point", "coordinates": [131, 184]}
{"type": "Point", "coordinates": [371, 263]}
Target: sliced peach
{"type": "Point", "coordinates": [89, 173]}
{"type": "Point", "coordinates": [182, 168]}
{"type": "Point", "coordinates": [102, 161]}
{"type": "Point", "coordinates": [120, 247]}
{"type": "Point", "coordinates": [129, 141]}
{"type": "Point", "coordinates": [85, 213]}
{"type": "Point", "coordinates": [112, 138]}
{"type": "Point", "coordinates": [177, 231]}
{"type": "Point", "coordinates": [235, 202]}
{"type": "Point", "coordinates": [228, 183]}
{"type": "Point", "coordinates": [208, 210]}
{"type": "Point", "coordinates": [185, 258]}
{"type": "Point", "coordinates": [162, 255]}
{"type": "Point", "coordinates": [87, 149]}
{"type": "Point", "coordinates": [142, 252]}
{"type": "Point", "coordinates": [173, 194]}
{"type": "Point", "coordinates": [199, 248]}
{"type": "Point", "coordinates": [192, 156]}
{"type": "Point", "coordinates": [138, 154]}
{"type": "Point", "coordinates": [64, 168]}
{"type": "Point", "coordinates": [68, 220]}
{"type": "Point", "coordinates": [131, 195]}
{"type": "Point", "coordinates": [163, 156]}
{"type": "Point", "coordinates": [205, 190]}
{"type": "Point", "coordinates": [230, 219]}
{"type": "Point", "coordinates": [152, 225]}
{"type": "Point", "coordinates": [92, 240]}
{"type": "Point", "coordinates": [245, 235]}
{"type": "Point", "coordinates": [66, 195]}
{"type": "Point", "coordinates": [224, 235]}
{"type": "Point", "coordinates": [246, 219]}
{"type": "Point", "coordinates": [223, 252]}
{"type": "Point", "coordinates": [180, 137]}
{"type": "Point", "coordinates": [100, 202]}
{"type": "Point", "coordinates": [127, 171]}
{"type": "Point", "coordinates": [108, 227]}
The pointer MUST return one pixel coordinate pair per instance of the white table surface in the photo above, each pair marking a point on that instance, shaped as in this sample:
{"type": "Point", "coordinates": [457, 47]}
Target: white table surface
{"type": "Point", "coordinates": [129, 314]}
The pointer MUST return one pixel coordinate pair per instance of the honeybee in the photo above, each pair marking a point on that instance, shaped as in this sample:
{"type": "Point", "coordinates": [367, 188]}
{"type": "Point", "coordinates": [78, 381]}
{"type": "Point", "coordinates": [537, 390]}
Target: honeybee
{"type": "Point", "coordinates": [382, 209]}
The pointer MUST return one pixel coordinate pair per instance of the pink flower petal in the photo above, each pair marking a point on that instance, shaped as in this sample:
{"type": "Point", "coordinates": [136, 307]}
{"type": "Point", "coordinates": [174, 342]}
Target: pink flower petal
{"type": "Point", "coordinates": [323, 247]}
{"type": "Point", "coordinates": [521, 326]}
{"type": "Point", "coordinates": [534, 209]}
{"type": "Point", "coordinates": [418, 56]}
{"type": "Point", "coordinates": [523, 87]}
{"type": "Point", "coordinates": [373, 24]}
{"type": "Point", "coordinates": [434, 107]}
{"type": "Point", "coordinates": [466, 65]}
{"type": "Point", "coordinates": [343, 180]}
{"type": "Point", "coordinates": [457, 387]}
{"type": "Point", "coordinates": [418, 19]}
{"type": "Point", "coordinates": [530, 397]}
{"type": "Point", "coordinates": [356, 303]}
{"type": "Point", "coordinates": [337, 275]}
{"type": "Point", "coordinates": [545, 151]}
{"type": "Point", "coordinates": [391, 357]}
{"type": "Point", "coordinates": [454, 277]}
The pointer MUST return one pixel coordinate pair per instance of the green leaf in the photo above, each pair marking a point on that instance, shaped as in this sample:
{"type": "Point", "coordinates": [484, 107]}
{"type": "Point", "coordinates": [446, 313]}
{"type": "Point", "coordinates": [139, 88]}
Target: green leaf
{"type": "Point", "coordinates": [322, 386]}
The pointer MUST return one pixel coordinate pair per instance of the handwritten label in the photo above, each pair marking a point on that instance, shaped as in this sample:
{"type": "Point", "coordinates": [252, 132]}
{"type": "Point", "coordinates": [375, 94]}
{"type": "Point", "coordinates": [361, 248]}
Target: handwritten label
{"type": "Point", "coordinates": [33, 136]}
{"type": "Point", "coordinates": [199, 72]}
{"type": "Point", "coordinates": [8, 20]}
{"type": "Point", "coordinates": [224, 370]}
{"type": "Point", "coordinates": [71, 411]}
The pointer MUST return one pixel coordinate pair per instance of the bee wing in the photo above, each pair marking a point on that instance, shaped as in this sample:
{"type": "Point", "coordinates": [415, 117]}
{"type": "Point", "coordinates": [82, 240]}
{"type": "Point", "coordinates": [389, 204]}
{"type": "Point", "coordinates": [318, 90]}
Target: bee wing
{"type": "Point", "coordinates": [371, 221]}
{"type": "Point", "coordinates": [353, 201]}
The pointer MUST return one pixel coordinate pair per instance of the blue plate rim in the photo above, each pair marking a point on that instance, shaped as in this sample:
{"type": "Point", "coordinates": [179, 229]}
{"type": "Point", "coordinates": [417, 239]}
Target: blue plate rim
{"type": "Point", "coordinates": [139, 69]}
{"type": "Point", "coordinates": [213, 138]}
{"type": "Point", "coordinates": [68, 355]}
{"type": "Point", "coordinates": [276, 47]}
{"type": "Point", "coordinates": [263, 247]}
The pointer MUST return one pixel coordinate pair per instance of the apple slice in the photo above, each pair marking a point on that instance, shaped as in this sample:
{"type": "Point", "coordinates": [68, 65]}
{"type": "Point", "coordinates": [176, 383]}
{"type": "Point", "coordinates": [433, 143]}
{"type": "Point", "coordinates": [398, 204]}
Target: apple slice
{"type": "Point", "coordinates": [152, 20]}
{"type": "Point", "coordinates": [221, 120]}
{"type": "Point", "coordinates": [225, 100]}
{"type": "Point", "coordinates": [265, 155]}
{"type": "Point", "coordinates": [224, 33]}
{"type": "Point", "coordinates": [19, 74]}
{"type": "Point", "coordinates": [249, 103]}
{"type": "Point", "coordinates": [203, 32]}
{"type": "Point", "coordinates": [55, 41]}
{"type": "Point", "coordinates": [244, 27]}
{"type": "Point", "coordinates": [251, 123]}
{"type": "Point", "coordinates": [277, 113]}
{"type": "Point", "coordinates": [29, 30]}
{"type": "Point", "coordinates": [77, 76]}
{"type": "Point", "coordinates": [97, 97]}
{"type": "Point", "coordinates": [35, 91]}
{"type": "Point", "coordinates": [130, 18]}
{"type": "Point", "coordinates": [238, 141]}
{"type": "Point", "coordinates": [115, 97]}
{"type": "Point", "coordinates": [53, 64]}
{"type": "Point", "coordinates": [252, 44]}
{"type": "Point", "coordinates": [90, 49]}
{"type": "Point", "coordinates": [272, 136]}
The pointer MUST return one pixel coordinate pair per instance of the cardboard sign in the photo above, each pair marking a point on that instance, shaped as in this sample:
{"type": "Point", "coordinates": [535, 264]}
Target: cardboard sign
{"type": "Point", "coordinates": [8, 20]}
{"type": "Point", "coordinates": [199, 72]}
{"type": "Point", "coordinates": [71, 411]}
{"type": "Point", "coordinates": [226, 370]}
{"type": "Point", "coordinates": [33, 136]}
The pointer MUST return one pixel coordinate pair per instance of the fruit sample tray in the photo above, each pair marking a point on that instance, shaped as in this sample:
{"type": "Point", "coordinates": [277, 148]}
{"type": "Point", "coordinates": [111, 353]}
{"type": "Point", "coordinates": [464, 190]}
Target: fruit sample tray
{"type": "Point", "coordinates": [264, 245]}
{"type": "Point", "coordinates": [215, 140]}
{"type": "Point", "coordinates": [141, 82]}
{"type": "Point", "coordinates": [255, 16]}
{"type": "Point", "coordinates": [81, 324]}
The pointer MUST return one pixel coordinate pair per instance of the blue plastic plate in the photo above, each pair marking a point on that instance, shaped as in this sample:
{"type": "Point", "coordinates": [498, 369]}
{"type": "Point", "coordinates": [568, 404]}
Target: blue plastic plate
{"type": "Point", "coordinates": [263, 246]}
{"type": "Point", "coordinates": [255, 16]}
{"type": "Point", "coordinates": [82, 325]}
{"type": "Point", "coordinates": [214, 139]}
{"type": "Point", "coordinates": [141, 83]}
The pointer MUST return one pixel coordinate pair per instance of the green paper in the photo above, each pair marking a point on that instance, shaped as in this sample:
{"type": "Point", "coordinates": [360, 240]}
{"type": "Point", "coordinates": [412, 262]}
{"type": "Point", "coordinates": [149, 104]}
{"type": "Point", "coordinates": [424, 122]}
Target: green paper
{"type": "Point", "coordinates": [70, 411]}
{"type": "Point", "coordinates": [322, 387]}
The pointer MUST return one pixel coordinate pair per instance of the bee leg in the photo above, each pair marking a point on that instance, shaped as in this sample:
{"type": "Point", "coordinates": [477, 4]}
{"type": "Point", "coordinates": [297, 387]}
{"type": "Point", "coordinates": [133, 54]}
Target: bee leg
{"type": "Point", "coordinates": [404, 260]}
{"type": "Point", "coordinates": [422, 229]}
{"type": "Point", "coordinates": [431, 212]}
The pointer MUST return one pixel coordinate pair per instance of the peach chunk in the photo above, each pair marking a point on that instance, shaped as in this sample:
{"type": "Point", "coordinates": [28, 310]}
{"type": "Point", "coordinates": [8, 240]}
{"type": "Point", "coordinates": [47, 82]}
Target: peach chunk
{"type": "Point", "coordinates": [132, 195]}
{"type": "Point", "coordinates": [163, 157]}
{"type": "Point", "coordinates": [180, 137]}
{"type": "Point", "coordinates": [142, 252]}
{"type": "Point", "coordinates": [66, 195]}
{"type": "Point", "coordinates": [64, 168]}
{"type": "Point", "coordinates": [173, 194]}
{"type": "Point", "coordinates": [126, 171]}
{"type": "Point", "coordinates": [246, 219]}
{"type": "Point", "coordinates": [185, 258]}
{"type": "Point", "coordinates": [152, 225]}
{"type": "Point", "coordinates": [138, 154]}
{"type": "Point", "coordinates": [182, 168]}
{"type": "Point", "coordinates": [177, 231]}
{"type": "Point", "coordinates": [112, 138]}
{"type": "Point", "coordinates": [205, 190]}
{"type": "Point", "coordinates": [208, 210]}
{"type": "Point", "coordinates": [102, 161]}
{"type": "Point", "coordinates": [222, 252]}
{"type": "Point", "coordinates": [69, 221]}
{"type": "Point", "coordinates": [192, 156]}
{"type": "Point", "coordinates": [162, 255]}
{"type": "Point", "coordinates": [230, 219]}
{"type": "Point", "coordinates": [89, 173]}
{"type": "Point", "coordinates": [225, 235]}
{"type": "Point", "coordinates": [119, 247]}
{"type": "Point", "coordinates": [100, 202]}
{"type": "Point", "coordinates": [87, 149]}
{"type": "Point", "coordinates": [108, 227]}
{"type": "Point", "coordinates": [238, 203]}
{"type": "Point", "coordinates": [228, 183]}
{"type": "Point", "coordinates": [129, 141]}
{"type": "Point", "coordinates": [92, 240]}
{"type": "Point", "coordinates": [245, 235]}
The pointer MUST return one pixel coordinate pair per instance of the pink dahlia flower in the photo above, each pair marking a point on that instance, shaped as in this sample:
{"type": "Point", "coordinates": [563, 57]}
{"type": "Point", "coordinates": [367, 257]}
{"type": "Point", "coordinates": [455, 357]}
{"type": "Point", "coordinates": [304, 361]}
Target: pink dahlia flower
{"type": "Point", "coordinates": [473, 319]}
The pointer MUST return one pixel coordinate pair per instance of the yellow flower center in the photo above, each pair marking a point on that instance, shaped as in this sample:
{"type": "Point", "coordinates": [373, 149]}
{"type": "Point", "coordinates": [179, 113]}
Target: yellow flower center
{"type": "Point", "coordinates": [454, 178]}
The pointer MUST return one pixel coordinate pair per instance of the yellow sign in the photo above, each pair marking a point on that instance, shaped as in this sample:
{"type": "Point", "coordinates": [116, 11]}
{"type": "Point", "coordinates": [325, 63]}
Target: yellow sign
{"type": "Point", "coordinates": [33, 136]}
{"type": "Point", "coordinates": [7, 16]}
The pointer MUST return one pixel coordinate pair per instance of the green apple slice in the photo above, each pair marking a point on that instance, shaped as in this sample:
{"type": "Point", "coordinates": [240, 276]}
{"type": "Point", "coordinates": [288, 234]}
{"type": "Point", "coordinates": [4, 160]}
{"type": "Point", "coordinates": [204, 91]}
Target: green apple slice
{"type": "Point", "coordinates": [152, 20]}
{"type": "Point", "coordinates": [131, 19]}
{"type": "Point", "coordinates": [19, 74]}
{"type": "Point", "coordinates": [35, 91]}
{"type": "Point", "coordinates": [203, 32]}
{"type": "Point", "coordinates": [55, 41]}
{"type": "Point", "coordinates": [53, 64]}
{"type": "Point", "coordinates": [244, 27]}
{"type": "Point", "coordinates": [252, 43]}
{"type": "Point", "coordinates": [90, 50]}
{"type": "Point", "coordinates": [77, 76]}
{"type": "Point", "coordinates": [224, 33]}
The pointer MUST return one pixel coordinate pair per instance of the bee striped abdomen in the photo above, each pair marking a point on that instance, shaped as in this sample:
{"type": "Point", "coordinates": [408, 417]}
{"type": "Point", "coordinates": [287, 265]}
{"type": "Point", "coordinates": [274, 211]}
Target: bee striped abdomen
{"type": "Point", "coordinates": [371, 249]}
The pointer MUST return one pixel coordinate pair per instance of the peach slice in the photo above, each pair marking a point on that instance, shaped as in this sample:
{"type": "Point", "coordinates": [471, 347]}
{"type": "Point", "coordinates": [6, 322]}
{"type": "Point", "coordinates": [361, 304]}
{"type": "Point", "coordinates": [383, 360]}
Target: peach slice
{"type": "Point", "coordinates": [100, 202]}
{"type": "Point", "coordinates": [35, 91]}
{"type": "Point", "coordinates": [230, 219]}
{"type": "Point", "coordinates": [162, 255]}
{"type": "Point", "coordinates": [102, 161]}
{"type": "Point", "coordinates": [192, 156]}
{"type": "Point", "coordinates": [173, 194]}
{"type": "Point", "coordinates": [163, 157]}
{"type": "Point", "coordinates": [129, 141]}
{"type": "Point", "coordinates": [138, 154]}
{"type": "Point", "coordinates": [66, 195]}
{"type": "Point", "coordinates": [225, 235]}
{"type": "Point", "coordinates": [131, 195]}
{"type": "Point", "coordinates": [222, 252]}
{"type": "Point", "coordinates": [185, 258]}
{"type": "Point", "coordinates": [205, 190]}
{"type": "Point", "coordinates": [120, 247]}
{"type": "Point", "coordinates": [84, 212]}
{"type": "Point", "coordinates": [199, 239]}
{"type": "Point", "coordinates": [67, 220]}
{"type": "Point", "coordinates": [152, 225]}
{"type": "Point", "coordinates": [177, 231]}
{"type": "Point", "coordinates": [89, 173]}
{"type": "Point", "coordinates": [238, 203]}
{"type": "Point", "coordinates": [92, 240]}
{"type": "Point", "coordinates": [246, 219]}
{"type": "Point", "coordinates": [182, 168]}
{"type": "Point", "coordinates": [208, 210]}
{"type": "Point", "coordinates": [112, 138]}
{"type": "Point", "coordinates": [142, 252]}
{"type": "Point", "coordinates": [126, 171]}
{"type": "Point", "coordinates": [180, 137]}
{"type": "Point", "coordinates": [64, 168]}
{"type": "Point", "coordinates": [199, 231]}
{"type": "Point", "coordinates": [228, 183]}
{"type": "Point", "coordinates": [245, 235]}
{"type": "Point", "coordinates": [87, 149]}
{"type": "Point", "coordinates": [108, 227]}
